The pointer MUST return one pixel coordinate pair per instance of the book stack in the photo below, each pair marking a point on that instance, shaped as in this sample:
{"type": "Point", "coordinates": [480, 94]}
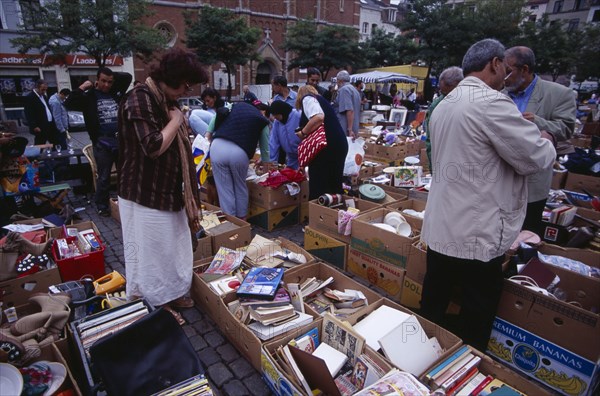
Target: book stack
{"type": "Point", "coordinates": [459, 375]}
{"type": "Point", "coordinates": [340, 303]}
{"type": "Point", "coordinates": [197, 385]}
{"type": "Point", "coordinates": [263, 252]}
{"type": "Point", "coordinates": [562, 215]}
{"type": "Point", "coordinates": [261, 283]}
{"type": "Point", "coordinates": [108, 322]}
{"type": "Point", "coordinates": [334, 365]}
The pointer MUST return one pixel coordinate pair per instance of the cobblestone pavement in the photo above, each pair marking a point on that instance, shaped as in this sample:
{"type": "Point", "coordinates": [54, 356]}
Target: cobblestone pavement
{"type": "Point", "coordinates": [230, 373]}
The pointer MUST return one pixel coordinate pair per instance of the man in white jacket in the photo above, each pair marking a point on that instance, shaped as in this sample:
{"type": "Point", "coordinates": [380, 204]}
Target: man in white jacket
{"type": "Point", "coordinates": [483, 151]}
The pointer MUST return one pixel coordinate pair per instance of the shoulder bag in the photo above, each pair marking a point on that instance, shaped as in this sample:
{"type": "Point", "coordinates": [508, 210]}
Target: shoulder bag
{"type": "Point", "coordinates": [311, 146]}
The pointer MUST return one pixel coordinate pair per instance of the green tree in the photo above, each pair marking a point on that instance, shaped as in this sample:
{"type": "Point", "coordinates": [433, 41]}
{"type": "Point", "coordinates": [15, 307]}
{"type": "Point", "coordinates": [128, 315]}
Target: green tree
{"type": "Point", "coordinates": [323, 47]}
{"type": "Point", "coordinates": [587, 59]}
{"type": "Point", "coordinates": [386, 49]}
{"type": "Point", "coordinates": [97, 28]}
{"type": "Point", "coordinates": [217, 35]}
{"type": "Point", "coordinates": [552, 45]}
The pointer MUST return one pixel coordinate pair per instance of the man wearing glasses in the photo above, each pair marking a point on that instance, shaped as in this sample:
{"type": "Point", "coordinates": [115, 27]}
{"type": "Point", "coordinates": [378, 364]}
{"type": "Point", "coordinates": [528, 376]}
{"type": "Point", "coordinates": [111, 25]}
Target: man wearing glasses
{"type": "Point", "coordinates": [551, 107]}
{"type": "Point", "coordinates": [483, 151]}
{"type": "Point", "coordinates": [99, 106]}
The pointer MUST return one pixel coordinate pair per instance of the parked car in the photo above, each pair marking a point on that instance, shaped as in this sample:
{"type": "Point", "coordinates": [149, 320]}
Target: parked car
{"type": "Point", "coordinates": [76, 121]}
{"type": "Point", "coordinates": [193, 102]}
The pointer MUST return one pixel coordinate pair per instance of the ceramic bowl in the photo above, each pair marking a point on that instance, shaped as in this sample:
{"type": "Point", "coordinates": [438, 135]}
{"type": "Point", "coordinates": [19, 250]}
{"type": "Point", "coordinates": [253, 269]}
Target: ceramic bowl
{"type": "Point", "coordinates": [11, 380]}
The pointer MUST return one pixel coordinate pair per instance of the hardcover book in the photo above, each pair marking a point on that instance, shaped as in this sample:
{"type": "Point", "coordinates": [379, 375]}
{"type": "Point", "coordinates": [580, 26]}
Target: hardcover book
{"type": "Point", "coordinates": [260, 283]}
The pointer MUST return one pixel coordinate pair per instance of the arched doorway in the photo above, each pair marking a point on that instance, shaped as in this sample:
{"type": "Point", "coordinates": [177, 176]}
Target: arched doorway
{"type": "Point", "coordinates": [264, 71]}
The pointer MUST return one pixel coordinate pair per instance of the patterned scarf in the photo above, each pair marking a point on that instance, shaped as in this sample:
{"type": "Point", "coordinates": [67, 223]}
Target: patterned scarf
{"type": "Point", "coordinates": [191, 197]}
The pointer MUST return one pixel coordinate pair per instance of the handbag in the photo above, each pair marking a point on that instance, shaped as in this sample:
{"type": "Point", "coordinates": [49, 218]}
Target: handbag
{"type": "Point", "coordinates": [311, 146]}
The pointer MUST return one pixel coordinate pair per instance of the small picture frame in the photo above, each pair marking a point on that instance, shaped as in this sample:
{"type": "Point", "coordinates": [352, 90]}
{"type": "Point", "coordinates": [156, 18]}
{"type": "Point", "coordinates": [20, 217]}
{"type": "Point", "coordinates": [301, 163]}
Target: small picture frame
{"type": "Point", "coordinates": [398, 116]}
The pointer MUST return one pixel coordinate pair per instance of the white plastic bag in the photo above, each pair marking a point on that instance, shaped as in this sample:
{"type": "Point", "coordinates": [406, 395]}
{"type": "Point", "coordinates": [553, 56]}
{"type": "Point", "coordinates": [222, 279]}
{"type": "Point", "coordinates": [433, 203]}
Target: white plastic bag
{"type": "Point", "coordinates": [354, 159]}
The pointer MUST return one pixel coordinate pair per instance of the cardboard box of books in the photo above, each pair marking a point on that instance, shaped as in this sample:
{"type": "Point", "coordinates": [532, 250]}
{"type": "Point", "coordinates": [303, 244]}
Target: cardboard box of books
{"type": "Point", "coordinates": [323, 289]}
{"type": "Point", "coordinates": [225, 230]}
{"type": "Point", "coordinates": [469, 371]}
{"type": "Point", "coordinates": [276, 252]}
{"type": "Point", "coordinates": [247, 333]}
{"type": "Point", "coordinates": [386, 277]}
{"type": "Point", "coordinates": [274, 198]}
{"type": "Point", "coordinates": [411, 207]}
{"type": "Point", "coordinates": [329, 356]}
{"type": "Point", "coordinates": [271, 219]}
{"type": "Point", "coordinates": [325, 219]}
{"type": "Point", "coordinates": [325, 247]}
{"type": "Point", "coordinates": [409, 341]}
{"type": "Point", "coordinates": [368, 237]}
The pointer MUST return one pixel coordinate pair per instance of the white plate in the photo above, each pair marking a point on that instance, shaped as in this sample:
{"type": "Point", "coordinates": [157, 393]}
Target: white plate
{"type": "Point", "coordinates": [394, 219]}
{"type": "Point", "coordinates": [11, 380]}
{"type": "Point", "coordinates": [411, 160]}
{"type": "Point", "coordinates": [59, 373]}
{"type": "Point", "coordinates": [404, 229]}
{"type": "Point", "coordinates": [389, 170]}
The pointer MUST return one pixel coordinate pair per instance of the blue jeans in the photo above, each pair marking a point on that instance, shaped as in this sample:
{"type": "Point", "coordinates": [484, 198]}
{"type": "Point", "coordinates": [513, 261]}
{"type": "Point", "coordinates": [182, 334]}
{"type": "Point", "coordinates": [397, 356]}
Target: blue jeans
{"type": "Point", "coordinates": [105, 158]}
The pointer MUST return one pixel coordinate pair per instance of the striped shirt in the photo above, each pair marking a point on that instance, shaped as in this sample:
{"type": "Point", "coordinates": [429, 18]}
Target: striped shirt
{"type": "Point", "coordinates": [145, 177]}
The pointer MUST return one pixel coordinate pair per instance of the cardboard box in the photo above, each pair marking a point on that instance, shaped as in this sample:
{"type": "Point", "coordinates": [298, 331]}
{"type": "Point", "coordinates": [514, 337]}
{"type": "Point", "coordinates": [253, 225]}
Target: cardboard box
{"type": "Point", "coordinates": [379, 243]}
{"type": "Point", "coordinates": [576, 182]}
{"type": "Point", "coordinates": [304, 213]}
{"type": "Point", "coordinates": [275, 198]}
{"type": "Point", "coordinates": [59, 352]}
{"type": "Point", "coordinates": [392, 155]}
{"type": "Point", "coordinates": [325, 247]}
{"type": "Point", "coordinates": [114, 209]}
{"type": "Point", "coordinates": [204, 249]}
{"type": "Point", "coordinates": [271, 219]}
{"type": "Point", "coordinates": [322, 271]}
{"type": "Point", "coordinates": [554, 341]}
{"type": "Point", "coordinates": [279, 381]}
{"type": "Point", "coordinates": [416, 267]}
{"type": "Point", "coordinates": [407, 176]}
{"type": "Point", "coordinates": [543, 360]}
{"type": "Point", "coordinates": [488, 366]}
{"type": "Point", "coordinates": [418, 193]}
{"type": "Point", "coordinates": [239, 236]}
{"type": "Point", "coordinates": [17, 291]}
{"type": "Point", "coordinates": [386, 277]}
{"type": "Point", "coordinates": [448, 341]}
{"type": "Point", "coordinates": [244, 339]}
{"type": "Point", "coordinates": [325, 219]}
{"type": "Point", "coordinates": [558, 179]}
{"type": "Point", "coordinates": [414, 204]}
{"type": "Point", "coordinates": [201, 292]}
{"type": "Point", "coordinates": [57, 232]}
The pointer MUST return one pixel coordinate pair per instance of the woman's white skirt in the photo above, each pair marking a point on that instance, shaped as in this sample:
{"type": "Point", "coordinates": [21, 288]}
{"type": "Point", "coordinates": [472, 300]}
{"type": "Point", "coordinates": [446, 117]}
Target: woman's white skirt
{"type": "Point", "coordinates": [158, 252]}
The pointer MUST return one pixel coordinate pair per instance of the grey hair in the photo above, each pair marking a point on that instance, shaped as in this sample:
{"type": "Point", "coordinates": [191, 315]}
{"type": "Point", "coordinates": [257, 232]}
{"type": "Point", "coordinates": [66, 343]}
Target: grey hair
{"type": "Point", "coordinates": [480, 54]}
{"type": "Point", "coordinates": [523, 56]}
{"type": "Point", "coordinates": [452, 75]}
{"type": "Point", "coordinates": [343, 75]}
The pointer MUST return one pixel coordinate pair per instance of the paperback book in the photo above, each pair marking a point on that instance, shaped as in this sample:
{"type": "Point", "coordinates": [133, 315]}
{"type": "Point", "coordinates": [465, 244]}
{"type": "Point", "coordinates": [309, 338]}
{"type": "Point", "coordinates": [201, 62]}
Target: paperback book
{"type": "Point", "coordinates": [225, 262]}
{"type": "Point", "coordinates": [261, 283]}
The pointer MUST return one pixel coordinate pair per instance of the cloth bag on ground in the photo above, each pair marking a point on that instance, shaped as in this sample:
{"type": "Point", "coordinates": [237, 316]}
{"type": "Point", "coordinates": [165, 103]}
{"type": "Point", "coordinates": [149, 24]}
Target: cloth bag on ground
{"type": "Point", "coordinates": [355, 156]}
{"type": "Point", "coordinates": [311, 146]}
{"type": "Point", "coordinates": [145, 357]}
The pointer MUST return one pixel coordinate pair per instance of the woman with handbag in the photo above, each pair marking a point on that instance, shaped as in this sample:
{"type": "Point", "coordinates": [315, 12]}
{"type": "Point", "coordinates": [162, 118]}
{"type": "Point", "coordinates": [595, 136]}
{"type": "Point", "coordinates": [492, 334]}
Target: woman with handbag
{"type": "Point", "coordinates": [325, 163]}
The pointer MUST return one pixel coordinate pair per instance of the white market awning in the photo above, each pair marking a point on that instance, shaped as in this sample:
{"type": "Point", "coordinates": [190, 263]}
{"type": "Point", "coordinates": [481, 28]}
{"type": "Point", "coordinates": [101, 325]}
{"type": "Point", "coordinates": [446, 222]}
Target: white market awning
{"type": "Point", "coordinates": [377, 76]}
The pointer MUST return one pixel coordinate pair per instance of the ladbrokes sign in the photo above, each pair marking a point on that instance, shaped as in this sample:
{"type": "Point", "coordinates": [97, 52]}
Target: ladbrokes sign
{"type": "Point", "coordinates": [46, 60]}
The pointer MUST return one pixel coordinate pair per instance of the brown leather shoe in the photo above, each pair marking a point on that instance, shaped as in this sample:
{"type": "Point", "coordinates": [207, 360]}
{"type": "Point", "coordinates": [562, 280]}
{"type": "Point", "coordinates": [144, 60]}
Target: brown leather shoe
{"type": "Point", "coordinates": [182, 302]}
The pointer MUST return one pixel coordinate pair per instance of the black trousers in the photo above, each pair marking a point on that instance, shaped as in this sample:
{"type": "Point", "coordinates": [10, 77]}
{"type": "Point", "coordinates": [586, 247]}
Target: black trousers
{"type": "Point", "coordinates": [481, 285]}
{"type": "Point", "coordinates": [533, 217]}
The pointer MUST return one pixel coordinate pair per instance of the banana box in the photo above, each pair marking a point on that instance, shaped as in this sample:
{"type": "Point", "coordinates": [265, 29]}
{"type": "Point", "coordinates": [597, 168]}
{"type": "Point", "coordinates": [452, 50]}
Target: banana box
{"type": "Point", "coordinates": [560, 369]}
